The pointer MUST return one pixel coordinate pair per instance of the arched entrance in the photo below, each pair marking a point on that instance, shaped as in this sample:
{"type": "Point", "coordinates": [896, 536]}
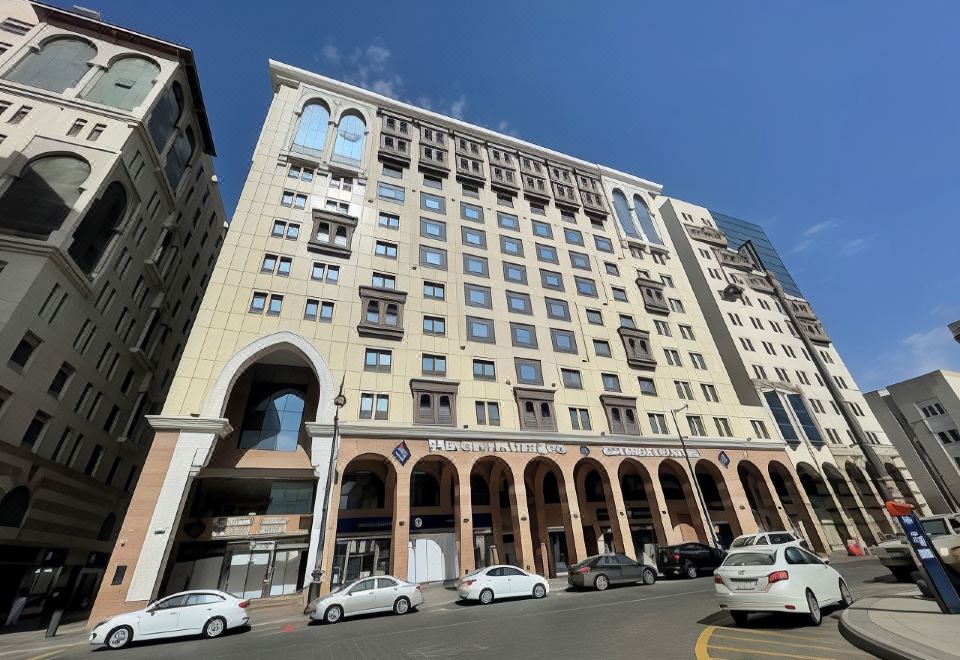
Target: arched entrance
{"type": "Point", "coordinates": [824, 506]}
{"type": "Point", "coordinates": [722, 510]}
{"type": "Point", "coordinates": [601, 530]}
{"type": "Point", "coordinates": [848, 502]}
{"type": "Point", "coordinates": [551, 526]}
{"type": "Point", "coordinates": [792, 502]}
{"type": "Point", "coordinates": [897, 475]}
{"type": "Point", "coordinates": [364, 543]}
{"type": "Point", "coordinates": [681, 503]}
{"type": "Point", "coordinates": [761, 502]}
{"type": "Point", "coordinates": [434, 520]}
{"type": "Point", "coordinates": [643, 510]}
{"type": "Point", "coordinates": [871, 502]}
{"type": "Point", "coordinates": [496, 524]}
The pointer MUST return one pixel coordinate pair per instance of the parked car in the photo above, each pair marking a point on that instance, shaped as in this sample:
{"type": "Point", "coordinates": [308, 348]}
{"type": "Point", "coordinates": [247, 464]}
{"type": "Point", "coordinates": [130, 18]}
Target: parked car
{"type": "Point", "coordinates": [383, 593]}
{"type": "Point", "coordinates": [502, 581]}
{"type": "Point", "coordinates": [778, 537]}
{"type": "Point", "coordinates": [201, 612]}
{"type": "Point", "coordinates": [689, 559]}
{"type": "Point", "coordinates": [783, 578]}
{"type": "Point", "coordinates": [944, 532]}
{"type": "Point", "coordinates": [600, 571]}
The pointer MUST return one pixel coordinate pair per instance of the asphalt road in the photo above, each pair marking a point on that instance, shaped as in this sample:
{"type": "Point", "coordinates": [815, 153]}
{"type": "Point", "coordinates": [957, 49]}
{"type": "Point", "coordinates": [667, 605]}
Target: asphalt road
{"type": "Point", "coordinates": [671, 619]}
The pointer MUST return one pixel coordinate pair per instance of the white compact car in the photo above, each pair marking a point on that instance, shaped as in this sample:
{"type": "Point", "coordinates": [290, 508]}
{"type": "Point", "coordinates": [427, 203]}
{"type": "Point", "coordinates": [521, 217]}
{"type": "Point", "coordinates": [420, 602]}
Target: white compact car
{"type": "Point", "coordinates": [768, 538]}
{"type": "Point", "coordinates": [783, 578]}
{"type": "Point", "coordinates": [503, 581]}
{"type": "Point", "coordinates": [366, 596]}
{"type": "Point", "coordinates": [203, 612]}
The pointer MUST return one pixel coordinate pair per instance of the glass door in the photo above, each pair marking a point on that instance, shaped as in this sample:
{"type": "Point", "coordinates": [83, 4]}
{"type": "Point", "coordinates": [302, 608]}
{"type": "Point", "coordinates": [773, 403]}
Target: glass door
{"type": "Point", "coordinates": [558, 551]}
{"type": "Point", "coordinates": [247, 574]}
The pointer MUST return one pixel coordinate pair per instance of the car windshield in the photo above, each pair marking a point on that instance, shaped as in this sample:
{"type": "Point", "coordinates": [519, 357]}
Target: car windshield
{"type": "Point", "coordinates": [749, 559]}
{"type": "Point", "coordinates": [935, 527]}
{"type": "Point", "coordinates": [743, 541]}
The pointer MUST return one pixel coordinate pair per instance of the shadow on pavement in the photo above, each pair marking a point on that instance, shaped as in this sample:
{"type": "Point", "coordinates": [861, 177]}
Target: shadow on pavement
{"type": "Point", "coordinates": [232, 632]}
{"type": "Point", "coordinates": [768, 620]}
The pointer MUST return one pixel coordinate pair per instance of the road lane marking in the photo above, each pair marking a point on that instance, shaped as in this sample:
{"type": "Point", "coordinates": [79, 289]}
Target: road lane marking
{"type": "Point", "coordinates": [47, 655]}
{"type": "Point", "coordinates": [773, 653]}
{"type": "Point", "coordinates": [703, 640]}
{"type": "Point", "coordinates": [760, 640]}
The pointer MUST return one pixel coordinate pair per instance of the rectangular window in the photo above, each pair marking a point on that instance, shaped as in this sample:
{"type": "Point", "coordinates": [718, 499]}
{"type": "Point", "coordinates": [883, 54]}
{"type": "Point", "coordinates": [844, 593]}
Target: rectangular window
{"type": "Point", "coordinates": [35, 431]}
{"type": "Point", "coordinates": [603, 243]}
{"type": "Point", "coordinates": [477, 296]}
{"type": "Point", "coordinates": [709, 392]}
{"type": "Point", "coordinates": [572, 236]}
{"type": "Point", "coordinates": [24, 350]}
{"type": "Point", "coordinates": [390, 192]}
{"type": "Point", "coordinates": [476, 238]}
{"type": "Point", "coordinates": [580, 419]}
{"type": "Point", "coordinates": [676, 305]}
{"type": "Point", "coordinates": [698, 361]}
{"type": "Point", "coordinates": [511, 246]}
{"type": "Point", "coordinates": [508, 221]}
{"type": "Point", "coordinates": [259, 302]}
{"type": "Point", "coordinates": [388, 221]}
{"type": "Point", "coordinates": [684, 391]}
{"type": "Point", "coordinates": [547, 253]}
{"type": "Point", "coordinates": [557, 309]}
{"type": "Point", "coordinates": [94, 461]}
{"type": "Point", "coordinates": [311, 309]}
{"type": "Point", "coordinates": [504, 200]}
{"type": "Point", "coordinates": [695, 422]}
{"type": "Point", "coordinates": [385, 249]}
{"type": "Point", "coordinates": [586, 287]}
{"type": "Point", "coordinates": [374, 406]}
{"type": "Point", "coordinates": [658, 423]}
{"type": "Point", "coordinates": [434, 290]}
{"type": "Point", "coordinates": [673, 357]}
{"type": "Point", "coordinates": [579, 260]}
{"type": "Point", "coordinates": [611, 382]}
{"type": "Point", "coordinates": [594, 316]}
{"type": "Point", "coordinates": [529, 372]}
{"type": "Point", "coordinates": [21, 114]}
{"type": "Point", "coordinates": [523, 335]}
{"type": "Point", "coordinates": [571, 379]}
{"type": "Point", "coordinates": [484, 370]}
{"type": "Point", "coordinates": [61, 380]}
{"type": "Point", "coordinates": [760, 429]}
{"type": "Point", "coordinates": [433, 365]}
{"type": "Point", "coordinates": [474, 265]}
{"type": "Point", "coordinates": [551, 280]}
{"type": "Point", "coordinates": [283, 266]}
{"type": "Point", "coordinates": [601, 347]}
{"type": "Point", "coordinates": [564, 341]}
{"type": "Point", "coordinates": [433, 203]}
{"type": "Point", "coordinates": [376, 359]}
{"type": "Point", "coordinates": [647, 386]}
{"type": "Point", "coordinates": [514, 273]}
{"type": "Point", "coordinates": [619, 293]}
{"type": "Point", "coordinates": [488, 413]}
{"type": "Point", "coordinates": [434, 325]}
{"type": "Point", "coordinates": [471, 212]}
{"type": "Point", "coordinates": [480, 330]}
{"type": "Point", "coordinates": [432, 182]}
{"type": "Point", "coordinates": [519, 303]}
{"type": "Point", "coordinates": [96, 132]}
{"type": "Point", "coordinates": [431, 257]}
{"type": "Point", "coordinates": [392, 172]}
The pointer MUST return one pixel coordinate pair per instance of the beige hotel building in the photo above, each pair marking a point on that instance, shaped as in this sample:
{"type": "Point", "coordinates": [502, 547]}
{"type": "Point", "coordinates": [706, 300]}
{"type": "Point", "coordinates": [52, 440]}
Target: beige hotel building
{"type": "Point", "coordinates": [492, 312]}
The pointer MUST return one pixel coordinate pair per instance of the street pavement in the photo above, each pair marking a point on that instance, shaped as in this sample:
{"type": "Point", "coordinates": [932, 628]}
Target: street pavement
{"type": "Point", "coordinates": [671, 619]}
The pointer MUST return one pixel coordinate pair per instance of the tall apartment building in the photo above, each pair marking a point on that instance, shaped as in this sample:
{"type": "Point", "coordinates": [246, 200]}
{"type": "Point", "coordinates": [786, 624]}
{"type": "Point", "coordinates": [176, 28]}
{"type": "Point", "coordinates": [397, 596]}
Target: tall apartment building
{"type": "Point", "coordinates": [110, 222]}
{"type": "Point", "coordinates": [428, 346]}
{"type": "Point", "coordinates": [921, 416]}
{"type": "Point", "coordinates": [778, 351]}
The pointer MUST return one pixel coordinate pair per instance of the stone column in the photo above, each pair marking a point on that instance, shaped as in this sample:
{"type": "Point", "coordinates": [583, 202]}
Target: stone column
{"type": "Point", "coordinates": [463, 522]}
{"type": "Point", "coordinates": [400, 548]}
{"type": "Point", "coordinates": [775, 501]}
{"type": "Point", "coordinates": [619, 523]}
{"type": "Point", "coordinates": [738, 500]}
{"type": "Point", "coordinates": [323, 453]}
{"type": "Point", "coordinates": [522, 543]}
{"type": "Point", "coordinates": [572, 523]}
{"type": "Point", "coordinates": [671, 533]}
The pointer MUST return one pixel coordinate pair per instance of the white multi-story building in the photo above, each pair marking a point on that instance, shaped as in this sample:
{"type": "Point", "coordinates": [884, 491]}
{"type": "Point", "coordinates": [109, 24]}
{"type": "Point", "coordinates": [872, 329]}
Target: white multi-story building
{"type": "Point", "coordinates": [110, 222]}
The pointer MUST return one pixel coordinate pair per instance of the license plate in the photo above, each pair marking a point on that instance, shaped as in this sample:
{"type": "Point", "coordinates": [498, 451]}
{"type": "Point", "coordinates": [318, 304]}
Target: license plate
{"type": "Point", "coordinates": [744, 585]}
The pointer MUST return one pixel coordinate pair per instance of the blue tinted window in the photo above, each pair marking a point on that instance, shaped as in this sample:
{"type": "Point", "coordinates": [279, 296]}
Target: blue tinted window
{"type": "Point", "coordinates": [273, 418]}
{"type": "Point", "coordinates": [311, 133]}
{"type": "Point", "coordinates": [781, 417]}
{"type": "Point", "coordinates": [803, 416]}
{"type": "Point", "coordinates": [623, 214]}
{"type": "Point", "coordinates": [646, 222]}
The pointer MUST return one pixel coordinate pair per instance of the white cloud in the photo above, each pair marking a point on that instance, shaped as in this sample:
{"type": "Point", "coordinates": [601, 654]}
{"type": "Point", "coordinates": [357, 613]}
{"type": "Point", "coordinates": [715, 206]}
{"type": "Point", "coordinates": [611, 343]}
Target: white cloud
{"type": "Point", "coordinates": [331, 54]}
{"type": "Point", "coordinates": [914, 355]}
{"type": "Point", "coordinates": [856, 246]}
{"type": "Point", "coordinates": [458, 106]}
{"type": "Point", "coordinates": [802, 245]}
{"type": "Point", "coordinates": [819, 227]}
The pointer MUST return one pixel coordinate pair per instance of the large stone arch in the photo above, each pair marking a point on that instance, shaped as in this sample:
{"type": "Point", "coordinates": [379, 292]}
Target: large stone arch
{"type": "Point", "coordinates": [219, 394]}
{"type": "Point", "coordinates": [719, 501]}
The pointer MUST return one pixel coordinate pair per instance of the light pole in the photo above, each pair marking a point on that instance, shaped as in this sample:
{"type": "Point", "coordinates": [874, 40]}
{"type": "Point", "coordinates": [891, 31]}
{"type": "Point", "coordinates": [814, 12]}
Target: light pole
{"type": "Point", "coordinates": [693, 475]}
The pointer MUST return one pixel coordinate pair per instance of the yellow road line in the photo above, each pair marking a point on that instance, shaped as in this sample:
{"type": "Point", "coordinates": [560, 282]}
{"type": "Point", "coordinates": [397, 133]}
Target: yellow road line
{"type": "Point", "coordinates": [779, 655]}
{"type": "Point", "coordinates": [48, 655]}
{"type": "Point", "coordinates": [760, 640]}
{"type": "Point", "coordinates": [753, 631]}
{"type": "Point", "coordinates": [702, 641]}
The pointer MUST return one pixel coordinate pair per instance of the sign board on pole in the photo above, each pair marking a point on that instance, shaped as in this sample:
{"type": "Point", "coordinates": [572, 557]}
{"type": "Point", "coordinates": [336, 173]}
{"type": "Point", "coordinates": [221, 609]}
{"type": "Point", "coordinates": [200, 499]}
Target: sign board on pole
{"type": "Point", "coordinates": [930, 564]}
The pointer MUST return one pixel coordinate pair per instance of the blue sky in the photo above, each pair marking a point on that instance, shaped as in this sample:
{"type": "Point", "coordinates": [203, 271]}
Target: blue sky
{"type": "Point", "coordinates": [834, 125]}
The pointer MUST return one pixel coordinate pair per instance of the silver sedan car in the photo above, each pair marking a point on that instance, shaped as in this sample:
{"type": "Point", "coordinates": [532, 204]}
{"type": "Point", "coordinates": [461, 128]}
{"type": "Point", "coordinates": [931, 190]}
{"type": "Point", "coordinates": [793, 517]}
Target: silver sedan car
{"type": "Point", "coordinates": [366, 596]}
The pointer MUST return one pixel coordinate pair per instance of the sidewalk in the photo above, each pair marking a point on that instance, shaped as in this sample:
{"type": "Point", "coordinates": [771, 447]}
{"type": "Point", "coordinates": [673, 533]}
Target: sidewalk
{"type": "Point", "coordinates": [903, 626]}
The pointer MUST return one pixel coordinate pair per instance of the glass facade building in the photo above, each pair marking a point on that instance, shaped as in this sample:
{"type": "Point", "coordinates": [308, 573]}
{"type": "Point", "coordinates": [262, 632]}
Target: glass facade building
{"type": "Point", "coordinates": [739, 232]}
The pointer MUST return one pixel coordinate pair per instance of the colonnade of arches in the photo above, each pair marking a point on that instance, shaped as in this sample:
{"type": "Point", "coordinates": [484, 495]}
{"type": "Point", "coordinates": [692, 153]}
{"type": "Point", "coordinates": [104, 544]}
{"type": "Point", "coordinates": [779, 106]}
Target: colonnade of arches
{"type": "Point", "coordinates": [544, 514]}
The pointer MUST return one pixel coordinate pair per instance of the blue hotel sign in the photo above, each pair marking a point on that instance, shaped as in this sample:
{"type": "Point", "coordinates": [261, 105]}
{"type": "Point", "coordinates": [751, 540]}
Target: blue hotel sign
{"type": "Point", "coordinates": [930, 565]}
{"type": "Point", "coordinates": [401, 453]}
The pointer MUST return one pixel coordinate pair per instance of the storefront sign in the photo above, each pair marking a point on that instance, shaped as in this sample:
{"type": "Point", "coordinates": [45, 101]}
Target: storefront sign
{"type": "Point", "coordinates": [497, 447]}
{"type": "Point", "coordinates": [658, 452]}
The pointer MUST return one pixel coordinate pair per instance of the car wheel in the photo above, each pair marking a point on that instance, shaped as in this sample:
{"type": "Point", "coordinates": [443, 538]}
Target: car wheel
{"type": "Point", "coordinates": [690, 570]}
{"type": "Point", "coordinates": [539, 591]}
{"type": "Point", "coordinates": [333, 614]}
{"type": "Point", "coordinates": [902, 574]}
{"type": "Point", "coordinates": [740, 617]}
{"type": "Point", "coordinates": [846, 598]}
{"type": "Point", "coordinates": [119, 637]}
{"type": "Point", "coordinates": [648, 576]}
{"type": "Point", "coordinates": [486, 596]}
{"type": "Point", "coordinates": [814, 617]}
{"type": "Point", "coordinates": [214, 627]}
{"type": "Point", "coordinates": [601, 583]}
{"type": "Point", "coordinates": [401, 606]}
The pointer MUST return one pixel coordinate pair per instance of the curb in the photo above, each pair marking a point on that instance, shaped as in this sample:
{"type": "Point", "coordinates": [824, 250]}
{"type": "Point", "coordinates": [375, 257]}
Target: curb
{"type": "Point", "coordinates": [863, 636]}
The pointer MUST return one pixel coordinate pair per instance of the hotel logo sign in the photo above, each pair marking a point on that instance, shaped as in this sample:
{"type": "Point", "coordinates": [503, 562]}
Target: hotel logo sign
{"type": "Point", "coordinates": [655, 452]}
{"type": "Point", "coordinates": [497, 447]}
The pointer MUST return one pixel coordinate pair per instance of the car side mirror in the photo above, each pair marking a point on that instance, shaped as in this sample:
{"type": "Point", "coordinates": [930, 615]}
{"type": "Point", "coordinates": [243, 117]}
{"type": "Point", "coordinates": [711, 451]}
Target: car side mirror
{"type": "Point", "coordinates": [826, 560]}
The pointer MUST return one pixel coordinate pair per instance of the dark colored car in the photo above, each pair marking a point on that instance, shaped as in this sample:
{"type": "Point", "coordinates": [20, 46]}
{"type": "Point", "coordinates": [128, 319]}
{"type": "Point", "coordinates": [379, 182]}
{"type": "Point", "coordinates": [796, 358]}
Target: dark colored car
{"type": "Point", "coordinates": [689, 559]}
{"type": "Point", "coordinates": [600, 571]}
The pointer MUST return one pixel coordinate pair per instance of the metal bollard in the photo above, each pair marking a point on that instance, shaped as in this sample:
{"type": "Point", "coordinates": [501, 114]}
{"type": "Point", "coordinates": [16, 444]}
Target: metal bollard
{"type": "Point", "coordinates": [54, 623]}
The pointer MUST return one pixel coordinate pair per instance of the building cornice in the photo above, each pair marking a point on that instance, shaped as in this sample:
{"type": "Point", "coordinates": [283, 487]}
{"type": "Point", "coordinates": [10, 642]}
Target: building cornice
{"type": "Point", "coordinates": [398, 432]}
{"type": "Point", "coordinates": [54, 253]}
{"type": "Point", "coordinates": [281, 73]}
{"type": "Point", "coordinates": [219, 425]}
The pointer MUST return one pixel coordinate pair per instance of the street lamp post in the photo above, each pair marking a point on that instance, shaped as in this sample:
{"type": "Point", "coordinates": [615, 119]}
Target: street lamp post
{"type": "Point", "coordinates": [693, 476]}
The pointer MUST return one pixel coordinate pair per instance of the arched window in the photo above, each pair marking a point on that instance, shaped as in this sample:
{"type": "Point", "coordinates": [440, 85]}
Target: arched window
{"type": "Point", "coordinates": [390, 318]}
{"type": "Point", "coordinates": [36, 203]}
{"type": "Point", "coordinates": [551, 489]}
{"type": "Point", "coordinates": [92, 236]}
{"type": "Point", "coordinates": [56, 67]}
{"type": "Point", "coordinates": [424, 490]}
{"type": "Point", "coordinates": [646, 222]}
{"type": "Point", "coordinates": [426, 405]}
{"type": "Point", "coordinates": [349, 145]}
{"type": "Point", "coordinates": [106, 529]}
{"type": "Point", "coordinates": [444, 410]}
{"type": "Point", "coordinates": [13, 507]}
{"type": "Point", "coordinates": [373, 312]}
{"type": "Point", "coordinates": [632, 487]}
{"type": "Point", "coordinates": [311, 135]}
{"type": "Point", "coordinates": [593, 487]}
{"type": "Point", "coordinates": [340, 238]}
{"type": "Point", "coordinates": [179, 156]}
{"type": "Point", "coordinates": [623, 214]}
{"type": "Point", "coordinates": [125, 84]}
{"type": "Point", "coordinates": [166, 114]}
{"type": "Point", "coordinates": [479, 491]}
{"type": "Point", "coordinates": [362, 490]}
{"type": "Point", "coordinates": [273, 418]}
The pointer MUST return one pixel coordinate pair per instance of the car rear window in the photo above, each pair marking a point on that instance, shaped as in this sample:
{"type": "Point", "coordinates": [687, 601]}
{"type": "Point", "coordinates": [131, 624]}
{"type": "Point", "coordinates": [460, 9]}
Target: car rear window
{"type": "Point", "coordinates": [743, 541]}
{"type": "Point", "coordinates": [936, 527]}
{"type": "Point", "coordinates": [749, 559]}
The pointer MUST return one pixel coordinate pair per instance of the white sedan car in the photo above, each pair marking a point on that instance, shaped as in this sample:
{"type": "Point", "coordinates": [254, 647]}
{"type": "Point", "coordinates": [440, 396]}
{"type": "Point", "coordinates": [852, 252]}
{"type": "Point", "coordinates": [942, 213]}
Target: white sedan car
{"type": "Point", "coordinates": [778, 579]}
{"type": "Point", "coordinates": [203, 612]}
{"type": "Point", "coordinates": [365, 596]}
{"type": "Point", "coordinates": [485, 584]}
